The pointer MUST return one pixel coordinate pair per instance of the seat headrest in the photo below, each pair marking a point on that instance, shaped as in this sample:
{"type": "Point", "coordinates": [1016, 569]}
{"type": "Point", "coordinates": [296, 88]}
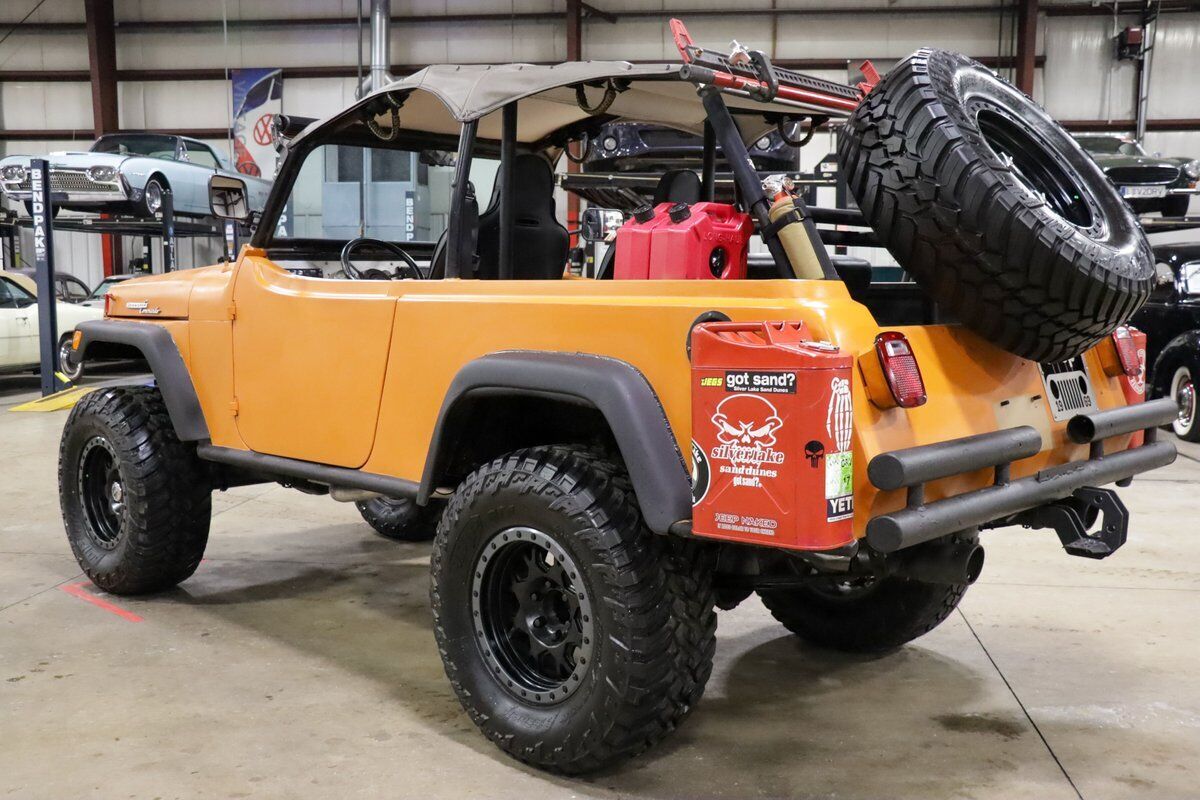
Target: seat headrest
{"type": "Point", "coordinates": [533, 187]}
{"type": "Point", "coordinates": [677, 186]}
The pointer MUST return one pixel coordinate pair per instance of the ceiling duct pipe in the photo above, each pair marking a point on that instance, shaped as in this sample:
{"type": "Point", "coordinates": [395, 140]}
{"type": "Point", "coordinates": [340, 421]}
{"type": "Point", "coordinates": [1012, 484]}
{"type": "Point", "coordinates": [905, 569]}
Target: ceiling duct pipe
{"type": "Point", "coordinates": [381, 46]}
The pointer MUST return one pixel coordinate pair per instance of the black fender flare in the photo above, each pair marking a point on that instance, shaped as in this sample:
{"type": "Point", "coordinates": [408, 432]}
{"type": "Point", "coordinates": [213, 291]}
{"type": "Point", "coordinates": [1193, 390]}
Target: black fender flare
{"type": "Point", "coordinates": [615, 388]}
{"type": "Point", "coordinates": [1183, 347]}
{"type": "Point", "coordinates": [171, 375]}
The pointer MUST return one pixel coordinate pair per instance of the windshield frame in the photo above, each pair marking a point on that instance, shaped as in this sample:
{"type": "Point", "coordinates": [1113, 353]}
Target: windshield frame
{"type": "Point", "coordinates": [1088, 141]}
{"type": "Point", "coordinates": [116, 137]}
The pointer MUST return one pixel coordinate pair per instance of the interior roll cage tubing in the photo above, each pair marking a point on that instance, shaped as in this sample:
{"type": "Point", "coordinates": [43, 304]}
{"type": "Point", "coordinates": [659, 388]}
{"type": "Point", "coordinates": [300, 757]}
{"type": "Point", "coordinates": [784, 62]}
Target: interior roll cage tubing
{"type": "Point", "coordinates": [708, 172]}
{"type": "Point", "coordinates": [750, 186]}
{"type": "Point", "coordinates": [508, 154]}
{"type": "Point", "coordinates": [455, 241]}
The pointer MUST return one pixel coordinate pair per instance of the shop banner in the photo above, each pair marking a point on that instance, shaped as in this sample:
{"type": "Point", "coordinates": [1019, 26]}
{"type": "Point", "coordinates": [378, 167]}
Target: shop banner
{"type": "Point", "coordinates": [257, 98]}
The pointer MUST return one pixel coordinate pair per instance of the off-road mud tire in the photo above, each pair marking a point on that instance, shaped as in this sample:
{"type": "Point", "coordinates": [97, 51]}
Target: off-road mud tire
{"type": "Point", "coordinates": [401, 520]}
{"type": "Point", "coordinates": [158, 537]}
{"type": "Point", "coordinates": [654, 624]}
{"type": "Point", "coordinates": [893, 612]}
{"type": "Point", "coordinates": [1041, 273]}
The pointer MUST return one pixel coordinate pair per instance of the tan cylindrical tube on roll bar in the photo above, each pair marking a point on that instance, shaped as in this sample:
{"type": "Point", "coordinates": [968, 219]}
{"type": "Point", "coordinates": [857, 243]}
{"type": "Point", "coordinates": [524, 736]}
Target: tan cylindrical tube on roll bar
{"type": "Point", "coordinates": [795, 240]}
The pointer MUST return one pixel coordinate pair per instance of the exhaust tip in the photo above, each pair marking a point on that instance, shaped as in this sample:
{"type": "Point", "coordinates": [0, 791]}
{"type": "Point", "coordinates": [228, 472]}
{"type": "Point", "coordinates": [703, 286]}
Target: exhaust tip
{"type": "Point", "coordinates": [974, 564]}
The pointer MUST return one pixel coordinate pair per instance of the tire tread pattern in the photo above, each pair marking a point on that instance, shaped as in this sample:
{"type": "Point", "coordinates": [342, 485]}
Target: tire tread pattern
{"type": "Point", "coordinates": [664, 593]}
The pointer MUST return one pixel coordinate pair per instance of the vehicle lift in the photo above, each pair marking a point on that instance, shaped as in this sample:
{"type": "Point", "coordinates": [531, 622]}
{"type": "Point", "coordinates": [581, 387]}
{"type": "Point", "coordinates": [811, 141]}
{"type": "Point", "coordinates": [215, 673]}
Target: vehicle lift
{"type": "Point", "coordinates": [41, 221]}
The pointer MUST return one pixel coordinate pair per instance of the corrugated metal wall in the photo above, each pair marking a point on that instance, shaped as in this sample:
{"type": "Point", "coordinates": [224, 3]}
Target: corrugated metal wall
{"type": "Point", "coordinates": [1081, 80]}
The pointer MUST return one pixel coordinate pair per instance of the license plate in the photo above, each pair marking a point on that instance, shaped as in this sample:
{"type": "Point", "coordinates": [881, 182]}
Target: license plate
{"type": "Point", "coordinates": [1068, 389]}
{"type": "Point", "coordinates": [1143, 191]}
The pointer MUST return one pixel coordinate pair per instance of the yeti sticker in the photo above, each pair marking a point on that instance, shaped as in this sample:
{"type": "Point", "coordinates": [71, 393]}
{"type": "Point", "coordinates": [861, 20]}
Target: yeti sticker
{"type": "Point", "coordinates": [747, 432]}
{"type": "Point", "coordinates": [839, 466]}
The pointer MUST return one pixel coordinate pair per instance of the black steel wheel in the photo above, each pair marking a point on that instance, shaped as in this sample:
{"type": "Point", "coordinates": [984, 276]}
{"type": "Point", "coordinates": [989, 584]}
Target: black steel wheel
{"type": "Point", "coordinates": [533, 619]}
{"type": "Point", "coordinates": [102, 492]}
{"type": "Point", "coordinates": [573, 636]}
{"type": "Point", "coordinates": [135, 500]}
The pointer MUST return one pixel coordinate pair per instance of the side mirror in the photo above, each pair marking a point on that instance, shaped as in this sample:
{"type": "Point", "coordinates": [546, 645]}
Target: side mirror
{"type": "Point", "coordinates": [227, 198]}
{"type": "Point", "coordinates": [600, 224]}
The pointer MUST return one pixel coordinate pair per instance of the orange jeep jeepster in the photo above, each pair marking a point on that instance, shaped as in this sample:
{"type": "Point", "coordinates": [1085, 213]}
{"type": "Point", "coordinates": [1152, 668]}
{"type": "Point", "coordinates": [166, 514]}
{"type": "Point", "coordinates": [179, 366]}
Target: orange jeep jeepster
{"type": "Point", "coordinates": [603, 461]}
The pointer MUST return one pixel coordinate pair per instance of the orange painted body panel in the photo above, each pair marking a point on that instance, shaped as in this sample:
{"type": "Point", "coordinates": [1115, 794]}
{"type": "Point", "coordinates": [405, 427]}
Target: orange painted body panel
{"type": "Point", "coordinates": [354, 373]}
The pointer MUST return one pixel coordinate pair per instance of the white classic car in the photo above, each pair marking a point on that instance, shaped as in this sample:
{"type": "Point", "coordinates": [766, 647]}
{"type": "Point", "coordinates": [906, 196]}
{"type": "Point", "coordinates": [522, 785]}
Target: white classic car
{"type": "Point", "coordinates": [127, 172]}
{"type": "Point", "coordinates": [19, 349]}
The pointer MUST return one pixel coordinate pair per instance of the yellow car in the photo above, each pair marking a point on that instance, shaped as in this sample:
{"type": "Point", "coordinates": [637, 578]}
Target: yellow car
{"type": "Point", "coordinates": [603, 462]}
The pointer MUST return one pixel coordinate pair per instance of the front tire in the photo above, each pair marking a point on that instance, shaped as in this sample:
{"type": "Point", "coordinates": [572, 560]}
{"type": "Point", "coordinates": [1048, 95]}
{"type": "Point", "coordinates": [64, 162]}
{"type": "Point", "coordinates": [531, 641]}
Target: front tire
{"type": "Point", "coordinates": [1183, 389]}
{"type": "Point", "coordinates": [152, 197]}
{"type": "Point", "coordinates": [573, 636]}
{"type": "Point", "coordinates": [66, 362]}
{"type": "Point", "coordinates": [136, 501]}
{"type": "Point", "coordinates": [871, 615]}
{"type": "Point", "coordinates": [401, 520]}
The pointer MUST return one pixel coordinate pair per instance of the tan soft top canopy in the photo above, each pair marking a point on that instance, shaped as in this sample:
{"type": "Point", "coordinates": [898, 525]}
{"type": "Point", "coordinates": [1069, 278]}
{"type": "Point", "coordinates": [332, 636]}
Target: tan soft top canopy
{"type": "Point", "coordinates": [439, 98]}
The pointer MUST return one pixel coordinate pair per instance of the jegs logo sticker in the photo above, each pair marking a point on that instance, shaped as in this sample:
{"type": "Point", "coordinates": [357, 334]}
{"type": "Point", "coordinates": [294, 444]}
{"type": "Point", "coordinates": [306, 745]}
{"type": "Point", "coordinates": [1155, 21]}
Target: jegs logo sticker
{"type": "Point", "coordinates": [747, 431]}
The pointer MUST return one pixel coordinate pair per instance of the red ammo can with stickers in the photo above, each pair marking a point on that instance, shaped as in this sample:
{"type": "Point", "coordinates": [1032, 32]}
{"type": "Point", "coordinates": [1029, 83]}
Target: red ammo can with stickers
{"type": "Point", "coordinates": [771, 436]}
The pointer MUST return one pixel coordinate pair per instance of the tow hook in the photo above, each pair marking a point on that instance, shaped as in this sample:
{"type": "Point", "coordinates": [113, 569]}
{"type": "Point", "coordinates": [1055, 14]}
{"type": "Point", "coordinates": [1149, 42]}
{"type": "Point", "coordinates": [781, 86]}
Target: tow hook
{"type": "Point", "coordinates": [1071, 519]}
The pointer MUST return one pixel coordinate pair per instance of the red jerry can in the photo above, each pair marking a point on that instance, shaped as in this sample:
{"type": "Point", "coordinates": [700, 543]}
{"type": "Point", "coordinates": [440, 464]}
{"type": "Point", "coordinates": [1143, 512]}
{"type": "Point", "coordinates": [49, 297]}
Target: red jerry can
{"type": "Point", "coordinates": [772, 423]}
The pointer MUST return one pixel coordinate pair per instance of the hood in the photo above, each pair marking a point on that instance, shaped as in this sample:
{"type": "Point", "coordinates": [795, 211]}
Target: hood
{"type": "Point", "coordinates": [157, 296]}
{"type": "Point", "coordinates": [1106, 160]}
{"type": "Point", "coordinates": [73, 158]}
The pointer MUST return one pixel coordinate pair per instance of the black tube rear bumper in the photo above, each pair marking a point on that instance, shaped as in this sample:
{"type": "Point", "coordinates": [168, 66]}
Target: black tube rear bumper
{"type": "Point", "coordinates": [913, 467]}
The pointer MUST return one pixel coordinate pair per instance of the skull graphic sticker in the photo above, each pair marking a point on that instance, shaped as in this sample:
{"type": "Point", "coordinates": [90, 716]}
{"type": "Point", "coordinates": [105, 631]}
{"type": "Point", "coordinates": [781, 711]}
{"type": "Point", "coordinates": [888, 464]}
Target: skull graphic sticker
{"type": "Point", "coordinates": [747, 420]}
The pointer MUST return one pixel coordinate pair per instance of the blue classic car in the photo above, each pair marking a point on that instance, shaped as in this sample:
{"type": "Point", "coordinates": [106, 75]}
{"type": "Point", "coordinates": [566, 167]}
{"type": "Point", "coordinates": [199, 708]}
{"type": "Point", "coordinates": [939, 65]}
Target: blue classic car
{"type": "Point", "coordinates": [127, 172]}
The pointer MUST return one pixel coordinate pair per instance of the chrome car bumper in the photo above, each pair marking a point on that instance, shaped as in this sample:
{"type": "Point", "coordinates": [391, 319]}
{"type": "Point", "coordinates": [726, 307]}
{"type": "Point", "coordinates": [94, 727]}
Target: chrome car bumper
{"type": "Point", "coordinates": [73, 187]}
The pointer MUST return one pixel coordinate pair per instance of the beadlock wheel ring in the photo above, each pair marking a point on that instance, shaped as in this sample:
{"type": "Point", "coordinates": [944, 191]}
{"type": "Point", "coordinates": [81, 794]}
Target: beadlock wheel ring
{"type": "Point", "coordinates": [532, 616]}
{"type": "Point", "coordinates": [101, 492]}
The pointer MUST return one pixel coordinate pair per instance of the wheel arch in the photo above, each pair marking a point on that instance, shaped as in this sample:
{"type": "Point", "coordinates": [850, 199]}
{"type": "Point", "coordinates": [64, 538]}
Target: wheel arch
{"type": "Point", "coordinates": [1175, 353]}
{"type": "Point", "coordinates": [154, 343]}
{"type": "Point", "coordinates": [572, 394]}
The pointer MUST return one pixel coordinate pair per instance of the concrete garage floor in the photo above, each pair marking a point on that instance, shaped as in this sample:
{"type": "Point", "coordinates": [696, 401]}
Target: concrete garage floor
{"type": "Point", "coordinates": [299, 661]}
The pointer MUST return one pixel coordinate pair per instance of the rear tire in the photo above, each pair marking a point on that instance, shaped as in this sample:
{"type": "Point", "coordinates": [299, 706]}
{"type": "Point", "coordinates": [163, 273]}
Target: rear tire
{"type": "Point", "coordinates": [994, 209]}
{"type": "Point", "coordinates": [573, 636]}
{"type": "Point", "coordinates": [136, 501]}
{"type": "Point", "coordinates": [401, 520]}
{"type": "Point", "coordinates": [876, 616]}
{"type": "Point", "coordinates": [66, 358]}
{"type": "Point", "coordinates": [1183, 389]}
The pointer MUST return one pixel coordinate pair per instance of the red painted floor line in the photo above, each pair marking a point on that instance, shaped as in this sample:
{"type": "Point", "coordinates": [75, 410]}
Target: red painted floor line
{"type": "Point", "coordinates": [83, 594]}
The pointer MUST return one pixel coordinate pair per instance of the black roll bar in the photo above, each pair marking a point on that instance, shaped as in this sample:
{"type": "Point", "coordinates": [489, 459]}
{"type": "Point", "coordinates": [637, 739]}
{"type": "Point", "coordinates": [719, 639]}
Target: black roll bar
{"type": "Point", "coordinates": [708, 173]}
{"type": "Point", "coordinates": [745, 178]}
{"type": "Point", "coordinates": [508, 154]}
{"type": "Point", "coordinates": [455, 240]}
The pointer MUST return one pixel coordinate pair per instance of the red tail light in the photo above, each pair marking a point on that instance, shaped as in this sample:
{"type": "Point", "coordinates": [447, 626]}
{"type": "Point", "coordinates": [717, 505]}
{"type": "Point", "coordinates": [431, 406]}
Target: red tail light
{"type": "Point", "coordinates": [108, 301]}
{"type": "Point", "coordinates": [900, 369]}
{"type": "Point", "coordinates": [1127, 352]}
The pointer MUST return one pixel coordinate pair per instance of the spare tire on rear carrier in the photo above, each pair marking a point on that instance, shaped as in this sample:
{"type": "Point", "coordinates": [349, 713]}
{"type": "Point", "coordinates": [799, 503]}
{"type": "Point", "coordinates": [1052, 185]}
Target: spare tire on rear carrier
{"type": "Point", "coordinates": [994, 209]}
